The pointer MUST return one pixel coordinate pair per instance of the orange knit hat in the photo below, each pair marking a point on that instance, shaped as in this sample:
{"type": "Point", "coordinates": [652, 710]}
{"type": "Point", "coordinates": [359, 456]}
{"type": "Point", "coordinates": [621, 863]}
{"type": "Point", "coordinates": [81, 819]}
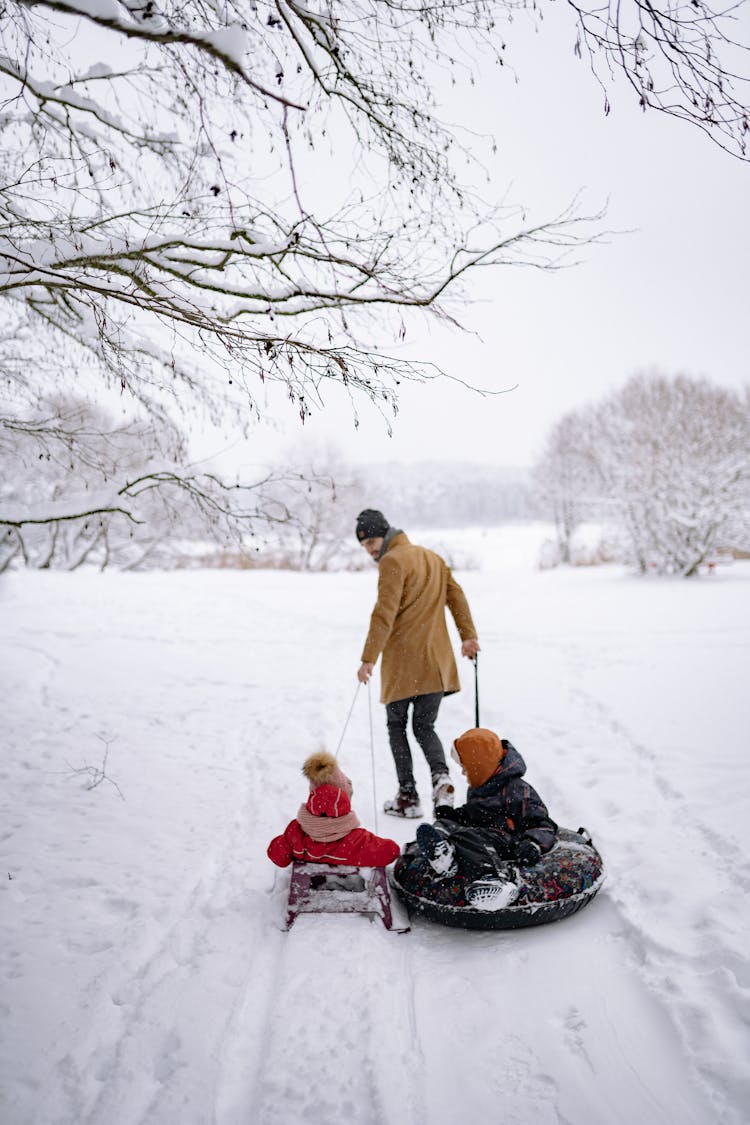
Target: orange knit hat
{"type": "Point", "coordinates": [480, 752]}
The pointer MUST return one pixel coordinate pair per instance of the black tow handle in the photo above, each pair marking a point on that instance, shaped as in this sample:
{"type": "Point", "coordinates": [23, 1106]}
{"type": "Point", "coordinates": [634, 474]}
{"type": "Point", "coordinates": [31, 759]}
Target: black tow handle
{"type": "Point", "coordinates": [476, 689]}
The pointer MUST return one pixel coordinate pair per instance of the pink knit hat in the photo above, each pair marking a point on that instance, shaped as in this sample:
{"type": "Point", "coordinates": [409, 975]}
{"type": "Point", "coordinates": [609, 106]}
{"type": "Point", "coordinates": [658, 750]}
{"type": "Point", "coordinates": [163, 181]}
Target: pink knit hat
{"type": "Point", "coordinates": [327, 815]}
{"type": "Point", "coordinates": [322, 768]}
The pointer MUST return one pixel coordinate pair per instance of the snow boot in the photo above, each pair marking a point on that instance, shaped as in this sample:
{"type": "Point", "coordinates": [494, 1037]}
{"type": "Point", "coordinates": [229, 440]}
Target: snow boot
{"type": "Point", "coordinates": [437, 850]}
{"type": "Point", "coordinates": [442, 791]}
{"type": "Point", "coordinates": [492, 893]}
{"type": "Point", "coordinates": [405, 803]}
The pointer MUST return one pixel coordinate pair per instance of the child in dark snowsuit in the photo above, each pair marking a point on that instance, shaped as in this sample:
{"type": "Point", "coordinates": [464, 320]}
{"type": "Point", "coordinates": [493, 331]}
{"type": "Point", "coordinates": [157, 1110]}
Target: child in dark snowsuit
{"type": "Point", "coordinates": [504, 818]}
{"type": "Point", "coordinates": [325, 829]}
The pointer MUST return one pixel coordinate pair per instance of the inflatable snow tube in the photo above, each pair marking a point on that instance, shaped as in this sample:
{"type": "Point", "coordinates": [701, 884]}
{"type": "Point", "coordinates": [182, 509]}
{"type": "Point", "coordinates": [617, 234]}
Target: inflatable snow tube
{"type": "Point", "coordinates": [564, 880]}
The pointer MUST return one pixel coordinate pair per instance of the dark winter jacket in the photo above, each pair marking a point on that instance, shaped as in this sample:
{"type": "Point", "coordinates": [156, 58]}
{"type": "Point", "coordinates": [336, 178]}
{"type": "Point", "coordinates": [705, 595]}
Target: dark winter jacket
{"type": "Point", "coordinates": [507, 806]}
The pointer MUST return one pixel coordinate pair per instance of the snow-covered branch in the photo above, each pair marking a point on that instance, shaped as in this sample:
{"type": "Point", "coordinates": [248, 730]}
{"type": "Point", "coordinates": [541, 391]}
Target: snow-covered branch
{"type": "Point", "coordinates": [155, 194]}
{"type": "Point", "coordinates": [199, 197]}
{"type": "Point", "coordinates": [75, 488]}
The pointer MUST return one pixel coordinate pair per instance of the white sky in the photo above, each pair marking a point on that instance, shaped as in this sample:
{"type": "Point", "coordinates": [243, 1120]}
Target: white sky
{"type": "Point", "coordinates": [670, 295]}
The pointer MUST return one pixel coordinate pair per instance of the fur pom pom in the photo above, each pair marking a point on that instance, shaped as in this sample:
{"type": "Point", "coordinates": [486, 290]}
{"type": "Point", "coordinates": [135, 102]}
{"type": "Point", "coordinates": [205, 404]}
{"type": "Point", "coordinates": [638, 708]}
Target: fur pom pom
{"type": "Point", "coordinates": [320, 768]}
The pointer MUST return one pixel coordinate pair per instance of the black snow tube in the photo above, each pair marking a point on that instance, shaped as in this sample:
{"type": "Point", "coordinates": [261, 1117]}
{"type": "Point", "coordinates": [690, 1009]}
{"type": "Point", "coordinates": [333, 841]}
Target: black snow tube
{"type": "Point", "coordinates": [564, 880]}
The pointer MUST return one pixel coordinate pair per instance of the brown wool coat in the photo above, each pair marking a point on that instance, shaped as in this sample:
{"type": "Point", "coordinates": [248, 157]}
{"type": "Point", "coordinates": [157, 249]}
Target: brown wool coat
{"type": "Point", "coordinates": [408, 623]}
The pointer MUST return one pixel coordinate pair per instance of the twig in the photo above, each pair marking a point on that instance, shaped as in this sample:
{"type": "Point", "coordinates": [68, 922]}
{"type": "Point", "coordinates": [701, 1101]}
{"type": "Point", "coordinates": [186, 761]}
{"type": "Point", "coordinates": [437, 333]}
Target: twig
{"type": "Point", "coordinates": [96, 774]}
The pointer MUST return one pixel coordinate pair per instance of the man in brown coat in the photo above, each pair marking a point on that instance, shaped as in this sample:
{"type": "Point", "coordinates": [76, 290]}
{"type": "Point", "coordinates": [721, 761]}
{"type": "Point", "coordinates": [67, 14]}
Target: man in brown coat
{"type": "Point", "coordinates": [408, 627]}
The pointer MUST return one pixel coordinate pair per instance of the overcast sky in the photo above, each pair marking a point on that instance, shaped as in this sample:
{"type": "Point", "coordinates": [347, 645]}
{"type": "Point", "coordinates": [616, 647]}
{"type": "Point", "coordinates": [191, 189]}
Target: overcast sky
{"type": "Point", "coordinates": [672, 294]}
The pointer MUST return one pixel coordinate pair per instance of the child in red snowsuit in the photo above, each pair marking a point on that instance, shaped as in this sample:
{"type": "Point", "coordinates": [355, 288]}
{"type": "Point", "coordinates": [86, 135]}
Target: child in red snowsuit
{"type": "Point", "coordinates": [325, 829]}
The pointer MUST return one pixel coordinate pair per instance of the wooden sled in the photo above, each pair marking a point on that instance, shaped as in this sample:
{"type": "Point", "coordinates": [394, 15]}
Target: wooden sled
{"type": "Point", "coordinates": [326, 888]}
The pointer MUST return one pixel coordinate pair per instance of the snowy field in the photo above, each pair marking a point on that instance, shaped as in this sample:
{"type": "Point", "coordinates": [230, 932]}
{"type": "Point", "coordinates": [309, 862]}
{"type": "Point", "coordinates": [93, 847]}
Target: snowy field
{"type": "Point", "coordinates": [145, 976]}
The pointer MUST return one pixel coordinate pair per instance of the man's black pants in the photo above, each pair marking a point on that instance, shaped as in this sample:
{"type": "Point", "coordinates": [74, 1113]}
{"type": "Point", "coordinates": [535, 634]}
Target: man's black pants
{"type": "Point", "coordinates": [424, 713]}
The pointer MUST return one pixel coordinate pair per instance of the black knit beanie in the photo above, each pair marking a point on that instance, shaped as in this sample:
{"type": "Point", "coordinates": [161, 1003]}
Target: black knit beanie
{"type": "Point", "coordinates": [371, 524]}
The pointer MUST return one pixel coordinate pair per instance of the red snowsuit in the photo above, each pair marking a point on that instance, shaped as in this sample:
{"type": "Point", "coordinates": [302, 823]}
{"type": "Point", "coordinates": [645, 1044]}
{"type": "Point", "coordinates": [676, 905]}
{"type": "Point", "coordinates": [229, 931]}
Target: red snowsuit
{"type": "Point", "coordinates": [357, 846]}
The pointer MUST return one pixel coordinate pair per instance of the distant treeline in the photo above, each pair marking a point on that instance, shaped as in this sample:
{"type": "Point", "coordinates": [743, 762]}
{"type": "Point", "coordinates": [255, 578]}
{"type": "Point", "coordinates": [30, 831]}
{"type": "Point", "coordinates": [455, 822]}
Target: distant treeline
{"type": "Point", "coordinates": [449, 494]}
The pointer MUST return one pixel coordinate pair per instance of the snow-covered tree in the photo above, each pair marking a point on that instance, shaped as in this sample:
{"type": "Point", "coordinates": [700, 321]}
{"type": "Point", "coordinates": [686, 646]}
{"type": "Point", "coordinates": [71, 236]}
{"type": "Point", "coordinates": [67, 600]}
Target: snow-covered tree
{"type": "Point", "coordinates": [323, 496]}
{"type": "Point", "coordinates": [163, 214]}
{"type": "Point", "coordinates": [676, 458]}
{"type": "Point", "coordinates": [76, 487]}
{"type": "Point", "coordinates": [670, 460]}
{"type": "Point", "coordinates": [156, 202]}
{"type": "Point", "coordinates": [566, 477]}
{"type": "Point", "coordinates": [157, 206]}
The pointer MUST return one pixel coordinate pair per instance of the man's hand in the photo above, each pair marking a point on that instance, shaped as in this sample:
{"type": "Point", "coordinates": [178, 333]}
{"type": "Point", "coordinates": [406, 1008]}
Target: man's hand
{"type": "Point", "coordinates": [470, 648]}
{"type": "Point", "coordinates": [365, 671]}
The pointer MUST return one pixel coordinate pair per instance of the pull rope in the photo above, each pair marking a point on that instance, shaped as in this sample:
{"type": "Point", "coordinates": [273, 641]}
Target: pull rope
{"type": "Point", "coordinates": [372, 760]}
{"type": "Point", "coordinates": [348, 717]}
{"type": "Point", "coordinates": [372, 745]}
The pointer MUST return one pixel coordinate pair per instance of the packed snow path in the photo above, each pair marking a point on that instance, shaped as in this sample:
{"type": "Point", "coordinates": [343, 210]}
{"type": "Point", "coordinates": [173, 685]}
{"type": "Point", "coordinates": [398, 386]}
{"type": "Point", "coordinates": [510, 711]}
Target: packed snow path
{"type": "Point", "coordinates": [145, 976]}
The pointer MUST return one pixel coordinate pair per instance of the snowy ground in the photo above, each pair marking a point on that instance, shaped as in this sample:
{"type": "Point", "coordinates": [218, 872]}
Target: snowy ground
{"type": "Point", "coordinates": [144, 974]}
